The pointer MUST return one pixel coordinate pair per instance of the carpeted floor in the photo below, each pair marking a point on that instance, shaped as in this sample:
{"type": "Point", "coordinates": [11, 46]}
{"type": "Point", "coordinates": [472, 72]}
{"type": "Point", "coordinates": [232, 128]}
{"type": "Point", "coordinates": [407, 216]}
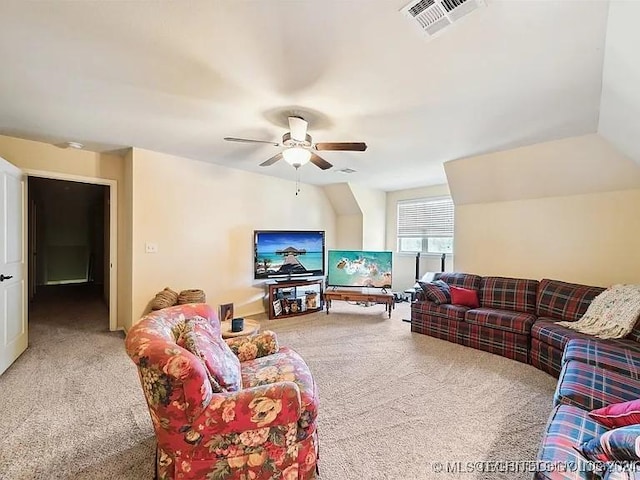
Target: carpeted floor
{"type": "Point", "coordinates": [392, 403]}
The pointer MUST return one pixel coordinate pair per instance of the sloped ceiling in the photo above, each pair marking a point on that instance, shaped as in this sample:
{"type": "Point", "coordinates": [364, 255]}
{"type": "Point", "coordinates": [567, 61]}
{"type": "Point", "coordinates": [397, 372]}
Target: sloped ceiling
{"type": "Point", "coordinates": [620, 103]}
{"type": "Point", "coordinates": [176, 77]}
{"type": "Point", "coordinates": [571, 166]}
{"type": "Point", "coordinates": [342, 199]}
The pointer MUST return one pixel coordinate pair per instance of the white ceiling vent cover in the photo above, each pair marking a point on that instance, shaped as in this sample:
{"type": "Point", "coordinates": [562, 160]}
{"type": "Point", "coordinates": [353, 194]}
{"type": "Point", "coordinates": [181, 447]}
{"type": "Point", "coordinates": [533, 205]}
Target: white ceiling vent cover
{"type": "Point", "coordinates": [432, 16]}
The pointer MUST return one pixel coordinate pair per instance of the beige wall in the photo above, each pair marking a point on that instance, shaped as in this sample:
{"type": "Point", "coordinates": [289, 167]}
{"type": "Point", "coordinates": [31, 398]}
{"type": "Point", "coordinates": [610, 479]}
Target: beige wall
{"type": "Point", "coordinates": [199, 214]}
{"type": "Point", "coordinates": [27, 154]}
{"type": "Point", "coordinates": [372, 203]}
{"type": "Point", "coordinates": [348, 216]}
{"type": "Point", "coordinates": [591, 239]}
{"type": "Point", "coordinates": [125, 243]}
{"type": "Point", "coordinates": [404, 265]}
{"type": "Point", "coordinates": [566, 209]}
{"type": "Point", "coordinates": [349, 232]}
{"type": "Point", "coordinates": [202, 217]}
{"type": "Point", "coordinates": [360, 216]}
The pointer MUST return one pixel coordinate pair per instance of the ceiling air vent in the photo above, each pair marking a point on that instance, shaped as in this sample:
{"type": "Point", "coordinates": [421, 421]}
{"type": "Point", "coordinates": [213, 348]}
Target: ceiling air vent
{"type": "Point", "coordinates": [432, 16]}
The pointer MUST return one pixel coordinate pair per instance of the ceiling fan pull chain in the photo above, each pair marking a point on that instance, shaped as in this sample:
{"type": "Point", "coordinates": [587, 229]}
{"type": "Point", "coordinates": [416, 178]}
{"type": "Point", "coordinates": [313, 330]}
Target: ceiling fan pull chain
{"type": "Point", "coordinates": [297, 181]}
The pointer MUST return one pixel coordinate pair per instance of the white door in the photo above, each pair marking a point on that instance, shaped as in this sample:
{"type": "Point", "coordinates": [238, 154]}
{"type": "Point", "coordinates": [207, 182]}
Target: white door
{"type": "Point", "coordinates": [13, 314]}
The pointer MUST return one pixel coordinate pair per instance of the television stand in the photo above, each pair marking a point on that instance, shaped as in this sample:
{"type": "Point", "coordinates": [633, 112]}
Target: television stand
{"type": "Point", "coordinates": [292, 297]}
{"type": "Point", "coordinates": [289, 280]}
{"type": "Point", "coordinates": [349, 296]}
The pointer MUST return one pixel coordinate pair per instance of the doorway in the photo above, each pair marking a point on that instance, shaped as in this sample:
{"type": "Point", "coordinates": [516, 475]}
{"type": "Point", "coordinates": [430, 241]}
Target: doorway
{"type": "Point", "coordinates": [71, 242]}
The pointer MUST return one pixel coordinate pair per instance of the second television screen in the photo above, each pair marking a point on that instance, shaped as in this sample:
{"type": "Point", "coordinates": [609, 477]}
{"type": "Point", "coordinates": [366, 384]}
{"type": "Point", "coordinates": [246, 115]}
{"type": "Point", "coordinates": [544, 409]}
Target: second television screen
{"type": "Point", "coordinates": [359, 268]}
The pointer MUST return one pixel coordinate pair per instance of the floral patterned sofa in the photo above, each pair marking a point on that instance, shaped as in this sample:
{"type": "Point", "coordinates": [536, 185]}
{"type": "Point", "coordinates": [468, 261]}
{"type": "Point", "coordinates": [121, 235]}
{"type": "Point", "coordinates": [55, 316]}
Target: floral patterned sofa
{"type": "Point", "coordinates": [224, 409]}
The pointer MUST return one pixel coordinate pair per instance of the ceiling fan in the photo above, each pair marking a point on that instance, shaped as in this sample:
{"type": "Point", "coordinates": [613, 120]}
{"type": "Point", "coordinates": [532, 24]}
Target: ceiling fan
{"type": "Point", "coordinates": [299, 147]}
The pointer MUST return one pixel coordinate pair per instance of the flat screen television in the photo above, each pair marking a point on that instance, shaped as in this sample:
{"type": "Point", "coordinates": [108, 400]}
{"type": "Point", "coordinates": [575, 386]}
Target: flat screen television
{"type": "Point", "coordinates": [359, 268]}
{"type": "Point", "coordinates": [288, 253]}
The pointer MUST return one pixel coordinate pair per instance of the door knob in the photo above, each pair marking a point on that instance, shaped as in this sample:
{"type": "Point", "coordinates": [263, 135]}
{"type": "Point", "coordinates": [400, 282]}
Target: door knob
{"type": "Point", "coordinates": [3, 277]}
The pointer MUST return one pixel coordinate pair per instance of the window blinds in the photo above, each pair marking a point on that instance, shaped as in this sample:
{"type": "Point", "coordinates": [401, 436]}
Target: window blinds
{"type": "Point", "coordinates": [425, 218]}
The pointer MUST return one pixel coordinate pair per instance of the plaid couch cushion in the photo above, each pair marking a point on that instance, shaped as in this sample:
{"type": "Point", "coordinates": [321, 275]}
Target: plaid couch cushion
{"type": "Point", "coordinates": [590, 387]}
{"type": "Point", "coordinates": [501, 319]}
{"type": "Point", "coordinates": [548, 331]}
{"type": "Point", "coordinates": [622, 356]}
{"type": "Point", "coordinates": [568, 427]}
{"type": "Point", "coordinates": [443, 328]}
{"type": "Point", "coordinates": [515, 294]}
{"type": "Point", "coordinates": [564, 301]}
{"type": "Point", "coordinates": [545, 357]}
{"type": "Point", "coordinates": [452, 312]}
{"type": "Point", "coordinates": [618, 444]}
{"type": "Point", "coordinates": [501, 342]}
{"type": "Point", "coordinates": [464, 280]}
{"type": "Point", "coordinates": [436, 291]}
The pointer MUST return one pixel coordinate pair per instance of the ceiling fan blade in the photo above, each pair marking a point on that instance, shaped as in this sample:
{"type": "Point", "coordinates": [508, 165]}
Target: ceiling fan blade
{"type": "Point", "coordinates": [350, 146]}
{"type": "Point", "coordinates": [272, 160]}
{"type": "Point", "coordinates": [320, 162]}
{"type": "Point", "coordinates": [298, 128]}
{"type": "Point", "coordinates": [247, 140]}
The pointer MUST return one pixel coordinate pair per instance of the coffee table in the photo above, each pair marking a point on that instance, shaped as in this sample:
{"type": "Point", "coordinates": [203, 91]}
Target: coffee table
{"type": "Point", "coordinates": [250, 327]}
{"type": "Point", "coordinates": [351, 296]}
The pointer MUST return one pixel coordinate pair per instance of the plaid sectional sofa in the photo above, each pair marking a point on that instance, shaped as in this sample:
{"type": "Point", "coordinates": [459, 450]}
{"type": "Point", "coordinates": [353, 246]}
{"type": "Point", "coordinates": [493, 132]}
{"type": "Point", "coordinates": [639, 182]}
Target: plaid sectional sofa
{"type": "Point", "coordinates": [557, 301]}
{"type": "Point", "coordinates": [561, 301]}
{"type": "Point", "coordinates": [517, 318]}
{"type": "Point", "coordinates": [594, 374]}
{"type": "Point", "coordinates": [502, 324]}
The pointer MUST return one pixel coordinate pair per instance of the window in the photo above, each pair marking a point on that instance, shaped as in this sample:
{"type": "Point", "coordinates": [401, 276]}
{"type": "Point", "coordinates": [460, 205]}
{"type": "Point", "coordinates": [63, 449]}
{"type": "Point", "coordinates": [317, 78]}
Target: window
{"type": "Point", "coordinates": [425, 225]}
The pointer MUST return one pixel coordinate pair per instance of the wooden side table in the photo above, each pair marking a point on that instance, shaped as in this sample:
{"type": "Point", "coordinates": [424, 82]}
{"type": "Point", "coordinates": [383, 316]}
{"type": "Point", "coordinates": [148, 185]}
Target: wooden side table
{"type": "Point", "coordinates": [349, 296]}
{"type": "Point", "coordinates": [250, 327]}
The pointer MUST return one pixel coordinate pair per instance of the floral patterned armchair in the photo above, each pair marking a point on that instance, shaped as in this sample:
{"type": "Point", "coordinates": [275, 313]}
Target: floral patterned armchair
{"type": "Point", "coordinates": [241, 409]}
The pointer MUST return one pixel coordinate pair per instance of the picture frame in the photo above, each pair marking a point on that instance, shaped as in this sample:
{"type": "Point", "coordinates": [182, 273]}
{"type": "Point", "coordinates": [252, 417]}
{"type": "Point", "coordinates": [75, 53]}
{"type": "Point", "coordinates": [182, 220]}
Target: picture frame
{"type": "Point", "coordinates": [277, 308]}
{"type": "Point", "coordinates": [226, 312]}
{"type": "Point", "coordinates": [311, 300]}
{"type": "Point", "coordinates": [295, 305]}
{"type": "Point", "coordinates": [302, 300]}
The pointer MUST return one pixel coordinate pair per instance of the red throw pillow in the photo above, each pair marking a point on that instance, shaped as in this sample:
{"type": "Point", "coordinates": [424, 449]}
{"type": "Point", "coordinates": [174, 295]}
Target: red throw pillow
{"type": "Point", "coordinates": [618, 414]}
{"type": "Point", "coordinates": [464, 296]}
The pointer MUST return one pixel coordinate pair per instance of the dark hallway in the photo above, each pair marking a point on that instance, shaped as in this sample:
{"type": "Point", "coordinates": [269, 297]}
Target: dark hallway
{"type": "Point", "coordinates": [68, 250]}
{"type": "Point", "coordinates": [77, 306]}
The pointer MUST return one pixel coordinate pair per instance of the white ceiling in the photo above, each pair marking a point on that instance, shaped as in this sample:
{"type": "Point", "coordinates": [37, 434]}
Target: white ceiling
{"type": "Point", "coordinates": [177, 77]}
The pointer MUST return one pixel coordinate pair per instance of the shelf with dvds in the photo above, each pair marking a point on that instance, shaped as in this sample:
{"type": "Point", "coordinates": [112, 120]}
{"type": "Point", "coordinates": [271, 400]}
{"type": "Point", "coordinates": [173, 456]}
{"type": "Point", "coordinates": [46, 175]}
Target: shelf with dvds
{"type": "Point", "coordinates": [294, 297]}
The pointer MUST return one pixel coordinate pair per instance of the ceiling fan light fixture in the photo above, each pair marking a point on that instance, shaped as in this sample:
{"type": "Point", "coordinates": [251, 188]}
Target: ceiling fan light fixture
{"type": "Point", "coordinates": [76, 145]}
{"type": "Point", "coordinates": [296, 156]}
